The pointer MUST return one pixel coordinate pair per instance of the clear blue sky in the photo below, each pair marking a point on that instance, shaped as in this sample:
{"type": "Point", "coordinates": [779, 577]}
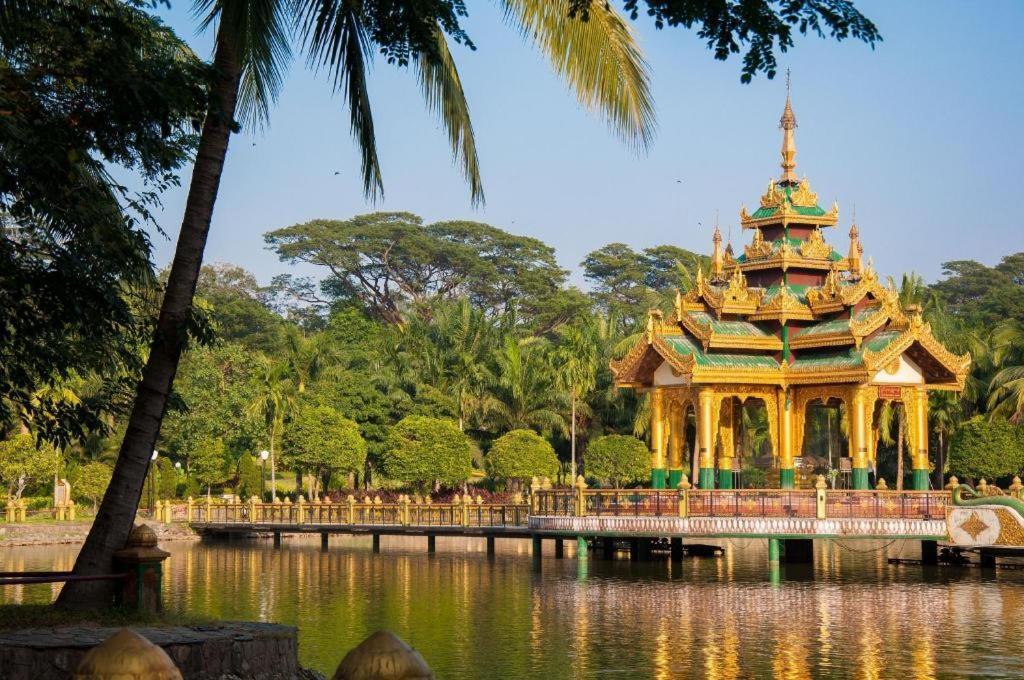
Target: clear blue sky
{"type": "Point", "coordinates": [923, 134]}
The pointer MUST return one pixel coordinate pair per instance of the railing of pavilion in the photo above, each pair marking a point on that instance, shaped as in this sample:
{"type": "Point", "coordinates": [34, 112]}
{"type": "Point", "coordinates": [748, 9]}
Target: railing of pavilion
{"type": "Point", "coordinates": [796, 503]}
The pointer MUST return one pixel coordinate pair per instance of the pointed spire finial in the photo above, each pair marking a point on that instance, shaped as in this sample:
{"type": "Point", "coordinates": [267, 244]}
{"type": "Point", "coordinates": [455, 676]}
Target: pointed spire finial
{"type": "Point", "coordinates": [717, 260]}
{"type": "Point", "coordinates": [788, 123]}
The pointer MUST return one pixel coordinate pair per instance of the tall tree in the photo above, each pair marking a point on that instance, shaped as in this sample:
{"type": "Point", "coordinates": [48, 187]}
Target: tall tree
{"type": "Point", "coordinates": [575, 365]}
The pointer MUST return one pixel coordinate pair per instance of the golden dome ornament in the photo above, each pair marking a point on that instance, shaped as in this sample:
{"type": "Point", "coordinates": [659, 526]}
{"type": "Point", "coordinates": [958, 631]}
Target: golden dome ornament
{"type": "Point", "coordinates": [126, 655]}
{"type": "Point", "coordinates": [383, 656]}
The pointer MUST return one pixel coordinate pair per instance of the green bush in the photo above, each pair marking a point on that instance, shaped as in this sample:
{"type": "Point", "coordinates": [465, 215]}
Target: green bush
{"type": "Point", "coordinates": [984, 449]}
{"type": "Point", "coordinates": [249, 476]}
{"type": "Point", "coordinates": [23, 466]}
{"type": "Point", "coordinates": [519, 455]}
{"type": "Point", "coordinates": [423, 450]}
{"type": "Point", "coordinates": [90, 481]}
{"type": "Point", "coordinates": [321, 441]}
{"type": "Point", "coordinates": [618, 459]}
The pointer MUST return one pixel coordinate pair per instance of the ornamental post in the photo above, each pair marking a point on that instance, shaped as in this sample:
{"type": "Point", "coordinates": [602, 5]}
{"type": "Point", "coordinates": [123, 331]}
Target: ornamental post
{"type": "Point", "coordinates": [706, 438]}
{"type": "Point", "coordinates": [581, 496]}
{"type": "Point", "coordinates": [189, 504]}
{"type": "Point", "coordinates": [300, 510]}
{"type": "Point", "coordinates": [351, 502]}
{"type": "Point", "coordinates": [919, 460]}
{"type": "Point", "coordinates": [253, 509]}
{"type": "Point", "coordinates": [11, 512]}
{"type": "Point", "coordinates": [819, 497]}
{"type": "Point", "coordinates": [22, 510]}
{"type": "Point", "coordinates": [859, 439]}
{"type": "Point", "coordinates": [657, 438]}
{"type": "Point", "coordinates": [142, 562]}
{"type": "Point", "coordinates": [534, 496]}
{"type": "Point", "coordinates": [684, 497]}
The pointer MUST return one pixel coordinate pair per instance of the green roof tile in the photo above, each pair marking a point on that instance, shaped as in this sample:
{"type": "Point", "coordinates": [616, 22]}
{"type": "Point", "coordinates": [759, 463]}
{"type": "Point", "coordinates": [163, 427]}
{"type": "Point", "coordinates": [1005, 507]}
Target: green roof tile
{"type": "Point", "coordinates": [684, 346]}
{"type": "Point", "coordinates": [738, 328]}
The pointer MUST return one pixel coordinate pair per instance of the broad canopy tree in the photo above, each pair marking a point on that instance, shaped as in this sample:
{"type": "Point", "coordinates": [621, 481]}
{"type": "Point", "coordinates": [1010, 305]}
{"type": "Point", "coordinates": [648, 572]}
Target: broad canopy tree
{"type": "Point", "coordinates": [322, 442]}
{"type": "Point", "coordinates": [391, 262]}
{"type": "Point", "coordinates": [519, 455]}
{"type": "Point", "coordinates": [422, 448]}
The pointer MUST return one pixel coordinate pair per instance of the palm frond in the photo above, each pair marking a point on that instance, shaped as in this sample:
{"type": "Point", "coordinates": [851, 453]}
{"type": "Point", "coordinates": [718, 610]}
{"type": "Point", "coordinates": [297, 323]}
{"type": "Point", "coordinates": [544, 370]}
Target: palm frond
{"type": "Point", "coordinates": [261, 32]}
{"type": "Point", "coordinates": [442, 90]}
{"type": "Point", "coordinates": [598, 56]}
{"type": "Point", "coordinates": [335, 38]}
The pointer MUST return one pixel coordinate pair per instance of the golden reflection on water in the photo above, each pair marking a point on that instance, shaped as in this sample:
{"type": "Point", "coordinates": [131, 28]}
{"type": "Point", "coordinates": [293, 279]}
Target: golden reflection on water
{"type": "Point", "coordinates": [850, 615]}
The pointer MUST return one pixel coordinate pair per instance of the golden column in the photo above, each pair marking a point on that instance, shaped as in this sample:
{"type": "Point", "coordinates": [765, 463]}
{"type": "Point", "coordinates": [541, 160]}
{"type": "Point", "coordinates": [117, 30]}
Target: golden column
{"type": "Point", "coordinates": [859, 438]}
{"type": "Point", "coordinates": [676, 444]}
{"type": "Point", "coordinates": [706, 437]}
{"type": "Point", "coordinates": [657, 438]}
{"type": "Point", "coordinates": [726, 443]}
{"type": "Point", "coordinates": [787, 475]}
{"type": "Point", "coordinates": [919, 423]}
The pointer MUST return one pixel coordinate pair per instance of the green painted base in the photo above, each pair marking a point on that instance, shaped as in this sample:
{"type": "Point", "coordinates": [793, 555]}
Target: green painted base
{"type": "Point", "coordinates": [658, 478]}
{"type": "Point", "coordinates": [920, 480]}
{"type": "Point", "coordinates": [725, 479]}
{"type": "Point", "coordinates": [581, 548]}
{"type": "Point", "coordinates": [787, 478]}
{"type": "Point", "coordinates": [774, 550]}
{"type": "Point", "coordinates": [707, 478]}
{"type": "Point", "coordinates": [860, 478]}
{"type": "Point", "coordinates": [674, 477]}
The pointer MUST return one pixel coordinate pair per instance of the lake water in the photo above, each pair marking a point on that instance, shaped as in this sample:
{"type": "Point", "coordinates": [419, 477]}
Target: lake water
{"type": "Point", "coordinates": [851, 615]}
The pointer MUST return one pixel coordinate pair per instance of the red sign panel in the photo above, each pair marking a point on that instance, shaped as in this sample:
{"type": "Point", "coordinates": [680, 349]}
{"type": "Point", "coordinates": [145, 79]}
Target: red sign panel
{"type": "Point", "coordinates": [890, 392]}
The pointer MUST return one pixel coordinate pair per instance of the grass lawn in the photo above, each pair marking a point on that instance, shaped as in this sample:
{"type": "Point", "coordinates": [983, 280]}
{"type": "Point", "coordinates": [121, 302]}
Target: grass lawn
{"type": "Point", "coordinates": [19, 616]}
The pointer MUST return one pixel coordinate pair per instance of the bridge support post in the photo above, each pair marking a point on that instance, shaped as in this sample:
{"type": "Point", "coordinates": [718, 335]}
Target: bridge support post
{"type": "Point", "coordinates": [646, 544]}
{"type": "Point", "coordinates": [432, 543]}
{"type": "Point", "coordinates": [559, 548]}
{"type": "Point", "coordinates": [490, 545]}
{"type": "Point", "coordinates": [277, 539]}
{"type": "Point", "coordinates": [677, 548]}
{"type": "Point", "coordinates": [929, 552]}
{"type": "Point", "coordinates": [537, 551]}
{"type": "Point", "coordinates": [988, 560]}
{"type": "Point", "coordinates": [323, 541]}
{"type": "Point", "coordinates": [581, 548]}
{"type": "Point", "coordinates": [608, 548]}
{"type": "Point", "coordinates": [634, 549]}
{"type": "Point", "coordinates": [774, 550]}
{"type": "Point", "coordinates": [376, 543]}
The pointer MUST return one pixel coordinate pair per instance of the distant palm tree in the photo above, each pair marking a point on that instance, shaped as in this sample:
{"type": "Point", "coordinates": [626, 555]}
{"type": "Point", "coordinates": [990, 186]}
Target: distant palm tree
{"type": "Point", "coordinates": [275, 400]}
{"type": "Point", "coordinates": [1006, 391]}
{"type": "Point", "coordinates": [575, 365]}
{"type": "Point", "coordinates": [596, 55]}
{"type": "Point", "coordinates": [945, 412]}
{"type": "Point", "coordinates": [525, 393]}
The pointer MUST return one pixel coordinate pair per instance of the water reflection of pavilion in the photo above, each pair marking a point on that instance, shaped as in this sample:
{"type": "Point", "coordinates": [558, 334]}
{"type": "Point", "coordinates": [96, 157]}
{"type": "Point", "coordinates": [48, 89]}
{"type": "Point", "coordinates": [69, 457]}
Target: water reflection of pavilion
{"type": "Point", "coordinates": [788, 324]}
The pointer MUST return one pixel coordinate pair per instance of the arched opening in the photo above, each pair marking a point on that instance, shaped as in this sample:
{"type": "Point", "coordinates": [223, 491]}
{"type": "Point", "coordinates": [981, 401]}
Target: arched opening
{"type": "Point", "coordinates": [755, 458]}
{"type": "Point", "coordinates": [826, 447]}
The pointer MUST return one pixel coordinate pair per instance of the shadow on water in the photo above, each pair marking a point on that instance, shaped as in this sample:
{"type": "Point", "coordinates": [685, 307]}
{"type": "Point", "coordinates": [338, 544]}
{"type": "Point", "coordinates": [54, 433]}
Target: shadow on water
{"type": "Point", "coordinates": [849, 614]}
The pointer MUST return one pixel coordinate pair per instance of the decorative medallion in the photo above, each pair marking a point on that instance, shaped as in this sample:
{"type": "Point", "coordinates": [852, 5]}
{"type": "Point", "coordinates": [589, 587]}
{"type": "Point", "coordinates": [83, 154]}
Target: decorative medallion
{"type": "Point", "coordinates": [973, 525]}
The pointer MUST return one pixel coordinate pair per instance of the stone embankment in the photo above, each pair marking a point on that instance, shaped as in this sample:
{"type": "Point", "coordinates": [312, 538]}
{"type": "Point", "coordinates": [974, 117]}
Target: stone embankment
{"type": "Point", "coordinates": [58, 533]}
{"type": "Point", "coordinates": [223, 651]}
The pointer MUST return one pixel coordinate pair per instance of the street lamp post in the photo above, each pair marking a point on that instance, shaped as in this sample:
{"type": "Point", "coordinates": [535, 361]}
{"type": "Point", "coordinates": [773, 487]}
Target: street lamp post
{"type": "Point", "coordinates": [263, 475]}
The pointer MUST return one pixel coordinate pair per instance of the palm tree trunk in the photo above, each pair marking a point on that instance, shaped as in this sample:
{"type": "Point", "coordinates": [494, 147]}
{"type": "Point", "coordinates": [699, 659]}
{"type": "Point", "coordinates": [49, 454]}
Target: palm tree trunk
{"type": "Point", "coordinates": [899, 451]}
{"type": "Point", "coordinates": [572, 444]}
{"type": "Point", "coordinates": [116, 513]}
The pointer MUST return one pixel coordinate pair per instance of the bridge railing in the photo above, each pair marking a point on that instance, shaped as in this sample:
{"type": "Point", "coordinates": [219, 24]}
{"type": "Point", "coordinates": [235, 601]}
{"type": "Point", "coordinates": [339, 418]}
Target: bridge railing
{"type": "Point", "coordinates": [887, 504]}
{"type": "Point", "coordinates": [465, 512]}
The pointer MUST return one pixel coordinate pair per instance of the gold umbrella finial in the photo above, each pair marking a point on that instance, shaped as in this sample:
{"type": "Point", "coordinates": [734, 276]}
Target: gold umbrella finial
{"type": "Point", "coordinates": [383, 656]}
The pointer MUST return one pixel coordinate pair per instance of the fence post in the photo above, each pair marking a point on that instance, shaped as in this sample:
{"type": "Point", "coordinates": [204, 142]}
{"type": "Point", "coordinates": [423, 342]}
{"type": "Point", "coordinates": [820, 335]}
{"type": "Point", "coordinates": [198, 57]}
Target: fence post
{"type": "Point", "coordinates": [466, 502]}
{"type": "Point", "coordinates": [581, 496]}
{"type": "Point", "coordinates": [403, 509]}
{"type": "Point", "coordinates": [58, 511]}
{"type": "Point", "coordinates": [209, 509]}
{"type": "Point", "coordinates": [188, 509]}
{"type": "Point", "coordinates": [351, 501]}
{"type": "Point", "coordinates": [253, 510]}
{"type": "Point", "coordinates": [22, 508]}
{"type": "Point", "coordinates": [684, 496]}
{"type": "Point", "coordinates": [819, 497]}
{"type": "Point", "coordinates": [71, 510]}
{"type": "Point", "coordinates": [300, 510]}
{"type": "Point", "coordinates": [11, 517]}
{"type": "Point", "coordinates": [534, 496]}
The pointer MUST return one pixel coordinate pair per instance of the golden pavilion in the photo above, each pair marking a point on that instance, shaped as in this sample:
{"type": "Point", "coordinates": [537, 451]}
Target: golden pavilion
{"type": "Point", "coordinates": [791, 323]}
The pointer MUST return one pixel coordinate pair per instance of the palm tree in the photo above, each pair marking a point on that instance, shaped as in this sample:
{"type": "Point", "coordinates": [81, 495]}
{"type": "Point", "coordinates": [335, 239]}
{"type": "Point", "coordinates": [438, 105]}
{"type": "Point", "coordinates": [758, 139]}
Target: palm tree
{"type": "Point", "coordinates": [890, 411]}
{"type": "Point", "coordinates": [1006, 390]}
{"type": "Point", "coordinates": [597, 55]}
{"type": "Point", "coordinates": [275, 400]}
{"type": "Point", "coordinates": [525, 394]}
{"type": "Point", "coordinates": [575, 366]}
{"type": "Point", "coordinates": [945, 412]}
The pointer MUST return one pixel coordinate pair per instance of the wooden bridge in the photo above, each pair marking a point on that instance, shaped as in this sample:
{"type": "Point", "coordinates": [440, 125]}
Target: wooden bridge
{"type": "Point", "coordinates": [788, 518]}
